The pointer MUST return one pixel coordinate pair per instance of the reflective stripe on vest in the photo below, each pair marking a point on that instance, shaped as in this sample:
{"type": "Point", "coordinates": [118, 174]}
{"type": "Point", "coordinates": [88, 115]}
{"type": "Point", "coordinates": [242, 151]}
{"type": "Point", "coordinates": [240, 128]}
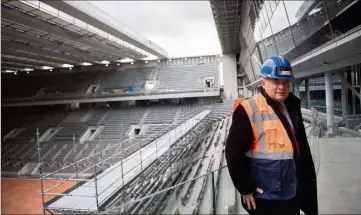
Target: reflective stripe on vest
{"type": "Point", "coordinates": [271, 140]}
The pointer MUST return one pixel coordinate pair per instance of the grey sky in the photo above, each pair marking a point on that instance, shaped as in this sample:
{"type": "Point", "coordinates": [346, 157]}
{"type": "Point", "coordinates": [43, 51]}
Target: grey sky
{"type": "Point", "coordinates": [182, 28]}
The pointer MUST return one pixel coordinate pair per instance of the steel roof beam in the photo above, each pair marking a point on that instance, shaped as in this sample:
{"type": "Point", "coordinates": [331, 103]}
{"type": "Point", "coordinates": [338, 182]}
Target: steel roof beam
{"type": "Point", "coordinates": [35, 23]}
{"type": "Point", "coordinates": [28, 61]}
{"type": "Point", "coordinates": [9, 33]}
{"type": "Point", "coordinates": [226, 16]}
{"type": "Point", "coordinates": [11, 68]}
{"type": "Point", "coordinates": [47, 58]}
{"type": "Point", "coordinates": [40, 51]}
{"type": "Point", "coordinates": [20, 65]}
{"type": "Point", "coordinates": [88, 13]}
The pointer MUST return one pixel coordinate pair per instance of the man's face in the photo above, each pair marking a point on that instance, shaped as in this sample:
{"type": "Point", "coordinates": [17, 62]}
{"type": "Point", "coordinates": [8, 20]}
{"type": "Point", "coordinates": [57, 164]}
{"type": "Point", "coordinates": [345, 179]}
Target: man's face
{"type": "Point", "coordinates": [276, 89]}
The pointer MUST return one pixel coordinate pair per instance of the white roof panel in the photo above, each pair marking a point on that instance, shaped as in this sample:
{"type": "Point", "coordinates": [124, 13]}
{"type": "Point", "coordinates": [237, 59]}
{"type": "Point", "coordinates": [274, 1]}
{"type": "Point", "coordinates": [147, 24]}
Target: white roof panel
{"type": "Point", "coordinates": [42, 14]}
{"type": "Point", "coordinates": [21, 27]}
{"type": "Point", "coordinates": [60, 21]}
{"type": "Point", "coordinates": [22, 6]}
{"type": "Point", "coordinates": [74, 28]}
{"type": "Point", "coordinates": [41, 33]}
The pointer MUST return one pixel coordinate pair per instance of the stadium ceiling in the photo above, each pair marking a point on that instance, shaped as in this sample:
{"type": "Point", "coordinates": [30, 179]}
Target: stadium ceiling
{"type": "Point", "coordinates": [226, 14]}
{"type": "Point", "coordinates": [37, 36]}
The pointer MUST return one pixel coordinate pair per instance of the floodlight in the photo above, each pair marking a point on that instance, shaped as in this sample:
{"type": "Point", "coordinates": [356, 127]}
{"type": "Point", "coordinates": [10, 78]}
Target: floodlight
{"type": "Point", "coordinates": [48, 67]}
{"type": "Point", "coordinates": [87, 64]}
{"type": "Point", "coordinates": [67, 65]}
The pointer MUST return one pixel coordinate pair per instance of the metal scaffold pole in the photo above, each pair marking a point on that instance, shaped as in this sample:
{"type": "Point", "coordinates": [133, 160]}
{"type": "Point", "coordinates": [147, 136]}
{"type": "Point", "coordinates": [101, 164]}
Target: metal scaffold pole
{"type": "Point", "coordinates": [75, 158]}
{"type": "Point", "coordinates": [96, 183]}
{"type": "Point", "coordinates": [141, 165]}
{"type": "Point", "coordinates": [141, 162]}
{"type": "Point", "coordinates": [213, 195]}
{"type": "Point", "coordinates": [169, 154]}
{"type": "Point", "coordinates": [40, 169]}
{"type": "Point", "coordinates": [121, 164]}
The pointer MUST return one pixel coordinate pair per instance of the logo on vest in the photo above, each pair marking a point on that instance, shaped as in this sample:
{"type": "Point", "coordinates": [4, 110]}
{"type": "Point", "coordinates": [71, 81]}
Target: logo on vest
{"type": "Point", "coordinates": [281, 145]}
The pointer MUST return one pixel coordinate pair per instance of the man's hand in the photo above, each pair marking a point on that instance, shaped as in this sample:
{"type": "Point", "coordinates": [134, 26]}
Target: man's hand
{"type": "Point", "coordinates": [249, 199]}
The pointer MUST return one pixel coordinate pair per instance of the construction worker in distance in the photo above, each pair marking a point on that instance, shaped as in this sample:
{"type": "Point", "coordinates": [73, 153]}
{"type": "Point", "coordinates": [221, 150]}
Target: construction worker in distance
{"type": "Point", "coordinates": [267, 152]}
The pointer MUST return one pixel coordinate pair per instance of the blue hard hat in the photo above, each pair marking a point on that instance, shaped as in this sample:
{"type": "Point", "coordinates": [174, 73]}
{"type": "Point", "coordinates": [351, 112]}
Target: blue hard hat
{"type": "Point", "coordinates": [277, 68]}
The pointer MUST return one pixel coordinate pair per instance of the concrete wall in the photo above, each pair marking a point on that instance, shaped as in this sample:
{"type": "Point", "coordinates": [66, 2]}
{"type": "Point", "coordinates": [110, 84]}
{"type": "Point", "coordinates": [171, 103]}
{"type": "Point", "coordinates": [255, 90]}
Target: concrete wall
{"type": "Point", "coordinates": [230, 76]}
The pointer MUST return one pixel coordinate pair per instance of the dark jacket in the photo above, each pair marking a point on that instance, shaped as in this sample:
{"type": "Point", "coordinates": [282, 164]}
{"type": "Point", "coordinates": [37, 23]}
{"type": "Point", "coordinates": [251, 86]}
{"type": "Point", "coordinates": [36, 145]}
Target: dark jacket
{"type": "Point", "coordinates": [240, 139]}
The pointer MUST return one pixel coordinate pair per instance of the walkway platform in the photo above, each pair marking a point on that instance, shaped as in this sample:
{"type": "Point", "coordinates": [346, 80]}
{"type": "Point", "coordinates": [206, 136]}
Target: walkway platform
{"type": "Point", "coordinates": [339, 176]}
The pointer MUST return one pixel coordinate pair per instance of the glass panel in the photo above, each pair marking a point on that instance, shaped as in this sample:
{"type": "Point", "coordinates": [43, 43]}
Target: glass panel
{"type": "Point", "coordinates": [273, 6]}
{"type": "Point", "coordinates": [267, 33]}
{"type": "Point", "coordinates": [254, 22]}
{"type": "Point", "coordinates": [250, 39]}
{"type": "Point", "coordinates": [256, 63]}
{"type": "Point", "coordinates": [262, 50]}
{"type": "Point", "coordinates": [309, 27]}
{"type": "Point", "coordinates": [268, 9]}
{"type": "Point", "coordinates": [263, 20]}
{"type": "Point", "coordinates": [270, 46]}
{"type": "Point", "coordinates": [279, 19]}
{"type": "Point", "coordinates": [268, 43]}
{"type": "Point", "coordinates": [341, 14]}
{"type": "Point", "coordinates": [257, 32]}
{"type": "Point", "coordinates": [265, 15]}
{"type": "Point", "coordinates": [295, 9]}
{"type": "Point", "coordinates": [249, 71]}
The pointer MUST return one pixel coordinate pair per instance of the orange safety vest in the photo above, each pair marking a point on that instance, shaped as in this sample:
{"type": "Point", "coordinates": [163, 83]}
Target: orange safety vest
{"type": "Point", "coordinates": [270, 137]}
{"type": "Point", "coordinates": [236, 103]}
{"type": "Point", "coordinates": [271, 153]}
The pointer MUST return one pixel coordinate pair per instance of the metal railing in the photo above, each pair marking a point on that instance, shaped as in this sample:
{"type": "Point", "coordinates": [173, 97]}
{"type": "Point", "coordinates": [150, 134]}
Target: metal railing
{"type": "Point", "coordinates": [213, 192]}
{"type": "Point", "coordinates": [98, 160]}
{"type": "Point", "coordinates": [83, 95]}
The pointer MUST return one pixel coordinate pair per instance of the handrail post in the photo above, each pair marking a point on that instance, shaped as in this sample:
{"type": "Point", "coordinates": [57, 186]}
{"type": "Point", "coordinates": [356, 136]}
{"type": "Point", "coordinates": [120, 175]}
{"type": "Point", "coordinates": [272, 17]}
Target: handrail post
{"type": "Point", "coordinates": [213, 195]}
{"type": "Point", "coordinates": [96, 183]}
{"type": "Point", "coordinates": [40, 170]}
{"type": "Point", "coordinates": [121, 164]}
{"type": "Point", "coordinates": [76, 160]}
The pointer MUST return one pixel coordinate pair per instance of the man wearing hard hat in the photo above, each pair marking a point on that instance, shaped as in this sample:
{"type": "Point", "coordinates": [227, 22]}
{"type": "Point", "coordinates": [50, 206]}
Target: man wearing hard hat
{"type": "Point", "coordinates": [267, 151]}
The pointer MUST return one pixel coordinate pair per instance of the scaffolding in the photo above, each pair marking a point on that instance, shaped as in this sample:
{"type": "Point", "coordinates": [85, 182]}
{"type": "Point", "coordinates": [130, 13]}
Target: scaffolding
{"type": "Point", "coordinates": [146, 151]}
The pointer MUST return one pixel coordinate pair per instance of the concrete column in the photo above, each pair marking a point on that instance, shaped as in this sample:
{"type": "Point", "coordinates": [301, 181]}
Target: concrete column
{"type": "Point", "coordinates": [245, 90]}
{"type": "Point", "coordinates": [329, 104]}
{"type": "Point", "coordinates": [353, 94]}
{"type": "Point", "coordinates": [230, 76]}
{"type": "Point", "coordinates": [344, 91]}
{"type": "Point", "coordinates": [307, 91]}
{"type": "Point", "coordinates": [359, 84]}
{"type": "Point", "coordinates": [297, 88]}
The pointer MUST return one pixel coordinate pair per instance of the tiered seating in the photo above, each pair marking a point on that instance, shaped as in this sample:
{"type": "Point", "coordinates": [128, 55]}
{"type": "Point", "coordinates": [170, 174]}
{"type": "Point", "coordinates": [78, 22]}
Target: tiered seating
{"type": "Point", "coordinates": [118, 121]}
{"type": "Point", "coordinates": [161, 115]}
{"type": "Point", "coordinates": [122, 82]}
{"type": "Point", "coordinates": [70, 130]}
{"type": "Point", "coordinates": [76, 83]}
{"type": "Point", "coordinates": [59, 149]}
{"type": "Point", "coordinates": [186, 77]}
{"type": "Point", "coordinates": [22, 148]}
{"type": "Point", "coordinates": [187, 111]}
{"type": "Point", "coordinates": [96, 116]}
{"type": "Point", "coordinates": [129, 78]}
